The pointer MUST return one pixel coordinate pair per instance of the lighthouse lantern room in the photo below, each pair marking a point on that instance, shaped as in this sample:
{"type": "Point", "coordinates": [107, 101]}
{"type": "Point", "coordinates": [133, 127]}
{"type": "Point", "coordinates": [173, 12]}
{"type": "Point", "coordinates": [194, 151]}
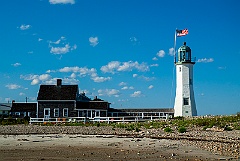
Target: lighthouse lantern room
{"type": "Point", "coordinates": [184, 100]}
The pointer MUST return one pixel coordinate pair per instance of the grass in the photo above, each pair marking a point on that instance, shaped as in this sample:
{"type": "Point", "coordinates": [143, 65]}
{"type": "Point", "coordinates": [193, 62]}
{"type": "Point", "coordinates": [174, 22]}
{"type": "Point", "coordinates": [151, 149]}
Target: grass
{"type": "Point", "coordinates": [226, 122]}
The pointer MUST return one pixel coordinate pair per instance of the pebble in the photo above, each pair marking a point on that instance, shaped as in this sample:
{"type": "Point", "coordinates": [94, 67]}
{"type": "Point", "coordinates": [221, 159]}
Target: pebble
{"type": "Point", "coordinates": [223, 143]}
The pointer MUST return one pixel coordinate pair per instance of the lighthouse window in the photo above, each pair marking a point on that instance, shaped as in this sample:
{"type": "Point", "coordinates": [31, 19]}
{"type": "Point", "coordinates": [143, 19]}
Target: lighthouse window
{"type": "Point", "coordinates": [185, 101]}
{"type": "Point", "coordinates": [180, 69]}
{"type": "Point", "coordinates": [190, 81]}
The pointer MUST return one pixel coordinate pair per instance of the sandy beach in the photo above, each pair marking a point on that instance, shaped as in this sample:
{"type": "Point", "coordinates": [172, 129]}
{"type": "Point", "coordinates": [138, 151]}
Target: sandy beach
{"type": "Point", "coordinates": [62, 146]}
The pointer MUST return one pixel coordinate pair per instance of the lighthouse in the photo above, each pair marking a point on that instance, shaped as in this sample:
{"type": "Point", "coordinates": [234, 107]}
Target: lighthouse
{"type": "Point", "coordinates": [184, 100]}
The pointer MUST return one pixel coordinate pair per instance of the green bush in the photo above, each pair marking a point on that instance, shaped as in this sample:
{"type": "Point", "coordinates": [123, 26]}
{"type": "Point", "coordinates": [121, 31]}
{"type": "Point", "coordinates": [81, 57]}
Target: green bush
{"type": "Point", "coordinates": [228, 128]}
{"type": "Point", "coordinates": [168, 129]}
{"type": "Point", "coordinates": [182, 129]}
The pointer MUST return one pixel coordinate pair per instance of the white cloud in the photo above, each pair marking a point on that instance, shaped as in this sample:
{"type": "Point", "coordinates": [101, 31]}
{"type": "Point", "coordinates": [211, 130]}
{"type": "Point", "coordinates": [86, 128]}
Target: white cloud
{"type": "Point", "coordinates": [32, 98]}
{"type": "Point", "coordinates": [50, 71]}
{"type": "Point", "coordinates": [24, 27]}
{"type": "Point", "coordinates": [61, 1]}
{"type": "Point", "coordinates": [36, 79]}
{"type": "Point", "coordinates": [60, 50]}
{"type": "Point", "coordinates": [114, 66]}
{"type": "Point", "coordinates": [161, 53]}
{"type": "Point", "coordinates": [171, 52]}
{"type": "Point", "coordinates": [67, 81]}
{"type": "Point", "coordinates": [136, 94]}
{"type": "Point", "coordinates": [21, 94]}
{"type": "Point", "coordinates": [16, 64]}
{"type": "Point", "coordinates": [100, 79]}
{"type": "Point", "coordinates": [39, 39]}
{"type": "Point", "coordinates": [146, 78]}
{"type": "Point", "coordinates": [109, 92]}
{"type": "Point", "coordinates": [154, 65]}
{"type": "Point", "coordinates": [56, 47]}
{"type": "Point", "coordinates": [154, 58]}
{"type": "Point", "coordinates": [205, 60]}
{"type": "Point", "coordinates": [92, 72]}
{"type": "Point", "coordinates": [124, 88]}
{"type": "Point", "coordinates": [44, 77]}
{"type": "Point", "coordinates": [110, 67]}
{"type": "Point", "coordinates": [13, 86]}
{"type": "Point", "coordinates": [150, 87]}
{"type": "Point", "coordinates": [133, 39]}
{"type": "Point", "coordinates": [135, 75]}
{"type": "Point", "coordinates": [58, 41]}
{"type": "Point", "coordinates": [122, 84]}
{"type": "Point", "coordinates": [70, 69]}
{"type": "Point", "coordinates": [73, 75]}
{"type": "Point", "coordinates": [74, 47]}
{"type": "Point", "coordinates": [82, 71]}
{"type": "Point", "coordinates": [222, 68]}
{"type": "Point", "coordinates": [93, 41]}
{"type": "Point", "coordinates": [131, 87]}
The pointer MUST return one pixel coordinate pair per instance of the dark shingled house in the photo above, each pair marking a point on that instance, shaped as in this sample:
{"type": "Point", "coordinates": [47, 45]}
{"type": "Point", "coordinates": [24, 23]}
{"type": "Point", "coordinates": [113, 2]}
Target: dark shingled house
{"type": "Point", "coordinates": [62, 101]}
{"type": "Point", "coordinates": [57, 100]}
{"type": "Point", "coordinates": [21, 110]}
{"type": "Point", "coordinates": [92, 108]}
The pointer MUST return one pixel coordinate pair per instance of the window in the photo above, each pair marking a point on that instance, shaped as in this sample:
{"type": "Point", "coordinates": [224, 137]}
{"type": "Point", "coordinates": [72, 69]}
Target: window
{"type": "Point", "coordinates": [65, 112]}
{"type": "Point", "coordinates": [185, 101]}
{"type": "Point", "coordinates": [180, 69]}
{"type": "Point", "coordinates": [80, 113]}
{"type": "Point", "coordinates": [190, 81]}
{"type": "Point", "coordinates": [56, 112]}
{"type": "Point", "coordinates": [97, 113]}
{"type": "Point", "coordinates": [186, 111]}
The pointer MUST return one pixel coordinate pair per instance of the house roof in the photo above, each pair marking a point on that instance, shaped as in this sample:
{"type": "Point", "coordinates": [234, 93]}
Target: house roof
{"type": "Point", "coordinates": [58, 92]}
{"type": "Point", "coordinates": [92, 105]}
{"type": "Point", "coordinates": [170, 110]}
{"type": "Point", "coordinates": [24, 107]}
{"type": "Point", "coordinates": [5, 106]}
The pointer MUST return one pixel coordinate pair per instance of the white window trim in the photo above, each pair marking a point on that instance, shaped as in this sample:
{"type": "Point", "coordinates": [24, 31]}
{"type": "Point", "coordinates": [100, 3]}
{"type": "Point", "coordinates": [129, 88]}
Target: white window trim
{"type": "Point", "coordinates": [56, 109]}
{"type": "Point", "coordinates": [64, 112]}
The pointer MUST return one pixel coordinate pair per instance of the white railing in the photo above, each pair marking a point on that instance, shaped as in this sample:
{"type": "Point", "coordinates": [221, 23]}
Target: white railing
{"type": "Point", "coordinates": [99, 119]}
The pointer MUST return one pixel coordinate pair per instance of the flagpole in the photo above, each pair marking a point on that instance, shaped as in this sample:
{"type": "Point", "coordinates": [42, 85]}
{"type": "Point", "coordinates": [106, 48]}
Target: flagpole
{"type": "Point", "coordinates": [174, 48]}
{"type": "Point", "coordinates": [174, 59]}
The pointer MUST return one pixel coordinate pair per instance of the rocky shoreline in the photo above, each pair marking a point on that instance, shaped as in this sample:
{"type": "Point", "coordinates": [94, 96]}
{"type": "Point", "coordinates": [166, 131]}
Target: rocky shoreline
{"type": "Point", "coordinates": [223, 143]}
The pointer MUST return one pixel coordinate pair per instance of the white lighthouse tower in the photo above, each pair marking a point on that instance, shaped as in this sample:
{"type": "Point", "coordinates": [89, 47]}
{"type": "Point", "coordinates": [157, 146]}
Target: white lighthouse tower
{"type": "Point", "coordinates": [184, 100]}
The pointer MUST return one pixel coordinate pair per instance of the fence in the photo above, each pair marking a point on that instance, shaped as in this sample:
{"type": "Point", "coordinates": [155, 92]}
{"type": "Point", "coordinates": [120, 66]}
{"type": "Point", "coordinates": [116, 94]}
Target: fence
{"type": "Point", "coordinates": [99, 119]}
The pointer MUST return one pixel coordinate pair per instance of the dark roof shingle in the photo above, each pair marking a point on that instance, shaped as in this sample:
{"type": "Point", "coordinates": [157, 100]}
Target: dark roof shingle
{"type": "Point", "coordinates": [54, 92]}
{"type": "Point", "coordinates": [24, 107]}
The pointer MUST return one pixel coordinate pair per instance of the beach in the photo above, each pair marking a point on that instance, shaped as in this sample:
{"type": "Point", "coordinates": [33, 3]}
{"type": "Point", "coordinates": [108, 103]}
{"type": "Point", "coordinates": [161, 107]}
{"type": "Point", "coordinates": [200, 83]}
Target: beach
{"type": "Point", "coordinates": [21, 142]}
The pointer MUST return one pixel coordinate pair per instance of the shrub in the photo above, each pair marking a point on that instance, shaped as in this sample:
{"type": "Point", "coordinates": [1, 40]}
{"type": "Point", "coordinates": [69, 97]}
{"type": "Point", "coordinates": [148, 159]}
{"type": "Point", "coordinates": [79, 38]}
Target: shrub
{"type": "Point", "coordinates": [168, 129]}
{"type": "Point", "coordinates": [137, 129]}
{"type": "Point", "coordinates": [182, 129]}
{"type": "Point", "coordinates": [228, 128]}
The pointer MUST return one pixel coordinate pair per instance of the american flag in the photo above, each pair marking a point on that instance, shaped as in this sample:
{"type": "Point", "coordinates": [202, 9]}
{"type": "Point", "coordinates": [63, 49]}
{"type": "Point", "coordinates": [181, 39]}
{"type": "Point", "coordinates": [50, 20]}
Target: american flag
{"type": "Point", "coordinates": [182, 32]}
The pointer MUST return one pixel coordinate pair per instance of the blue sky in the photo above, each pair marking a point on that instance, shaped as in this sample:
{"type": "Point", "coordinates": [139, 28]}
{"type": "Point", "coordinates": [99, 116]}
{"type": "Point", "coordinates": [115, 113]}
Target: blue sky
{"type": "Point", "coordinates": [121, 50]}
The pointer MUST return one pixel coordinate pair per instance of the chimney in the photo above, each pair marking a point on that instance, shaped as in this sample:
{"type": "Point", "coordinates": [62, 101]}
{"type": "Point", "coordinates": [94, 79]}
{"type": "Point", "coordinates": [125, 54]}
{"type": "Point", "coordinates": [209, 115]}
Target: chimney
{"type": "Point", "coordinates": [59, 82]}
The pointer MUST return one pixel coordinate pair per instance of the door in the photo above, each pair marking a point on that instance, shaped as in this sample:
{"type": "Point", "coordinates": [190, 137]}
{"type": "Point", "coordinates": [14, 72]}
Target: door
{"type": "Point", "coordinates": [46, 112]}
